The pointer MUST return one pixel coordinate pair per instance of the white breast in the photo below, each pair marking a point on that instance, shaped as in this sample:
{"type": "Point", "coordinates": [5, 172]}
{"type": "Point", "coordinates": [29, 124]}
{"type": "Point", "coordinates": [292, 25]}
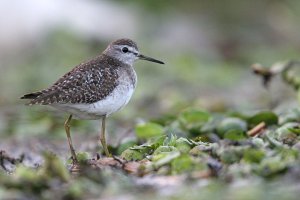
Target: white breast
{"type": "Point", "coordinates": [119, 97]}
{"type": "Point", "coordinates": [112, 103]}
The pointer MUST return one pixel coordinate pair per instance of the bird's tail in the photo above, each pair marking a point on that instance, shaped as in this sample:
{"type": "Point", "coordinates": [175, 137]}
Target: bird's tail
{"type": "Point", "coordinates": [31, 95]}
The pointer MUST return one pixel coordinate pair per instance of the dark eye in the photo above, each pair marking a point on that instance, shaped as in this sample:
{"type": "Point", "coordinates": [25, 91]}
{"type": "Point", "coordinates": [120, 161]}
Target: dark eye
{"type": "Point", "coordinates": [124, 49]}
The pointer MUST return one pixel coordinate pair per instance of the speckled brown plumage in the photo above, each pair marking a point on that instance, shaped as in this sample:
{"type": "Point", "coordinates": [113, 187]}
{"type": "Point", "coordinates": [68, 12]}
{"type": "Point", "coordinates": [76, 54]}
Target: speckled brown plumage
{"type": "Point", "coordinates": [87, 83]}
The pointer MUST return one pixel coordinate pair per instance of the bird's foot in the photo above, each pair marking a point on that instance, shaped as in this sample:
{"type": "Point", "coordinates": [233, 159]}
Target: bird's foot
{"type": "Point", "coordinates": [75, 168]}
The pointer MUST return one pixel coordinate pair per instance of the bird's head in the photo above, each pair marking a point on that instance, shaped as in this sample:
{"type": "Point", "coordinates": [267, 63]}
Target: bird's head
{"type": "Point", "coordinates": [127, 52]}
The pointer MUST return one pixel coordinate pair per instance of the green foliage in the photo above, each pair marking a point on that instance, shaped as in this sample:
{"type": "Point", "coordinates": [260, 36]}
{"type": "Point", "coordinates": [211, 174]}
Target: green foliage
{"type": "Point", "coordinates": [181, 164]}
{"type": "Point", "coordinates": [176, 146]}
{"type": "Point", "coordinates": [131, 154]}
{"type": "Point", "coordinates": [287, 134]}
{"type": "Point", "coordinates": [125, 145]}
{"type": "Point", "coordinates": [270, 118]}
{"type": "Point", "coordinates": [149, 130]}
{"type": "Point", "coordinates": [254, 155]}
{"type": "Point", "coordinates": [193, 120]}
{"type": "Point", "coordinates": [235, 135]}
{"type": "Point", "coordinates": [271, 166]}
{"type": "Point", "coordinates": [183, 145]}
{"type": "Point", "coordinates": [173, 154]}
{"type": "Point", "coordinates": [231, 155]}
{"type": "Point", "coordinates": [232, 128]}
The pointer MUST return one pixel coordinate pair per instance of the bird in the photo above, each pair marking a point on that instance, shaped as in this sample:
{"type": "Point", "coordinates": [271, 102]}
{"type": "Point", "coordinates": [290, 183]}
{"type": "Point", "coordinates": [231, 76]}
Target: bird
{"type": "Point", "coordinates": [94, 89]}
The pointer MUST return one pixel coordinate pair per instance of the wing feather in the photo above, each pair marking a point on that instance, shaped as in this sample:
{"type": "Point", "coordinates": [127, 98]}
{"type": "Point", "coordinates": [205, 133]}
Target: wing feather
{"type": "Point", "coordinates": [87, 83]}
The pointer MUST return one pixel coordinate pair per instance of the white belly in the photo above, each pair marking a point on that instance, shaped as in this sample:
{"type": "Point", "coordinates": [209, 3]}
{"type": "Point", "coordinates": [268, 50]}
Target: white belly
{"type": "Point", "coordinates": [119, 97]}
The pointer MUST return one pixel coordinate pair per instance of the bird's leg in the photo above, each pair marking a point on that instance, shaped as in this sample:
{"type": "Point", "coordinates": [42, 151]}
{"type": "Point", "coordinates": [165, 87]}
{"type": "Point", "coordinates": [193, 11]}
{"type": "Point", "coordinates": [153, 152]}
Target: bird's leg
{"type": "Point", "coordinates": [102, 137]}
{"type": "Point", "coordinates": [67, 128]}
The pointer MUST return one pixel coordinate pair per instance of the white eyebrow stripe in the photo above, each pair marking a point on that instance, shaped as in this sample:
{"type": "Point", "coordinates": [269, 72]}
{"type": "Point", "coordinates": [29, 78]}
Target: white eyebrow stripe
{"type": "Point", "coordinates": [130, 49]}
{"type": "Point", "coordinates": [133, 50]}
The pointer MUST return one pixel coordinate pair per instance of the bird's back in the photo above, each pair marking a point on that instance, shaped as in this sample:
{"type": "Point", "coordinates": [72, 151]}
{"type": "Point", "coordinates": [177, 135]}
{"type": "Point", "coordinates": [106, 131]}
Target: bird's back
{"type": "Point", "coordinates": [87, 83]}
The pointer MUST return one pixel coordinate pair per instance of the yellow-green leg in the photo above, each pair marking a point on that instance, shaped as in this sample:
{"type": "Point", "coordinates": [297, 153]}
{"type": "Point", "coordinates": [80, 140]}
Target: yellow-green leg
{"type": "Point", "coordinates": [102, 137]}
{"type": "Point", "coordinates": [67, 128]}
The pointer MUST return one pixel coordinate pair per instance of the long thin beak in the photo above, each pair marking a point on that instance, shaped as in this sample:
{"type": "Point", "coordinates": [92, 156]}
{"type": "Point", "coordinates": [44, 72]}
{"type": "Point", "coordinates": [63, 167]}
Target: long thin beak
{"type": "Point", "coordinates": [142, 57]}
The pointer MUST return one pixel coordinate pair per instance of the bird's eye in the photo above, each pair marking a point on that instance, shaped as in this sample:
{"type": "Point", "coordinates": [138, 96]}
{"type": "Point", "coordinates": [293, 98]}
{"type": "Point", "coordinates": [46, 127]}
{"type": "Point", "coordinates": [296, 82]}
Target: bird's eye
{"type": "Point", "coordinates": [125, 50]}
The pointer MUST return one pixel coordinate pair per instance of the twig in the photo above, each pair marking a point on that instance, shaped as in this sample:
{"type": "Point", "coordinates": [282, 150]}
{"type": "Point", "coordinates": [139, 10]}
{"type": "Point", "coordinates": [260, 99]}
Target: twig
{"type": "Point", "coordinates": [257, 129]}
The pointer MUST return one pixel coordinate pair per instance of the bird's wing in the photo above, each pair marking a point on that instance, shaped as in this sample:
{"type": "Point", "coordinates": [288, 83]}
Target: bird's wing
{"type": "Point", "coordinates": [87, 83]}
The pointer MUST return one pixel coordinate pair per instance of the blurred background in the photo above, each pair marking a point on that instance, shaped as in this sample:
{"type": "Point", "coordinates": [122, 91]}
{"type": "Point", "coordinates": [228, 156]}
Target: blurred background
{"type": "Point", "coordinates": [208, 48]}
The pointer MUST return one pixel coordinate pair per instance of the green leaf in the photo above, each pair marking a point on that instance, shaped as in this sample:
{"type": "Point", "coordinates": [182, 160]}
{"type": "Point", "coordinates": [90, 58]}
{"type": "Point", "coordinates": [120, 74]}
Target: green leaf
{"type": "Point", "coordinates": [193, 119]}
{"type": "Point", "coordinates": [253, 155]}
{"type": "Point", "coordinates": [149, 130]}
{"type": "Point", "coordinates": [229, 157]}
{"type": "Point", "coordinates": [270, 118]}
{"type": "Point", "coordinates": [130, 154]}
{"type": "Point", "coordinates": [231, 154]}
{"type": "Point", "coordinates": [125, 145]}
{"type": "Point", "coordinates": [164, 149]}
{"type": "Point", "coordinates": [144, 149]}
{"type": "Point", "coordinates": [231, 124]}
{"type": "Point", "coordinates": [150, 146]}
{"type": "Point", "coordinates": [183, 145]}
{"type": "Point", "coordinates": [271, 166]}
{"type": "Point", "coordinates": [181, 164]}
{"type": "Point", "coordinates": [204, 148]}
{"type": "Point", "coordinates": [170, 141]}
{"type": "Point", "coordinates": [164, 158]}
{"type": "Point", "coordinates": [286, 133]}
{"type": "Point", "coordinates": [293, 127]}
{"type": "Point", "coordinates": [235, 135]}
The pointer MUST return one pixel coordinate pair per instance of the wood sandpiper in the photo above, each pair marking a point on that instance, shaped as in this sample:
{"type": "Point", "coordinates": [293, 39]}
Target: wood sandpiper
{"type": "Point", "coordinates": [96, 88]}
